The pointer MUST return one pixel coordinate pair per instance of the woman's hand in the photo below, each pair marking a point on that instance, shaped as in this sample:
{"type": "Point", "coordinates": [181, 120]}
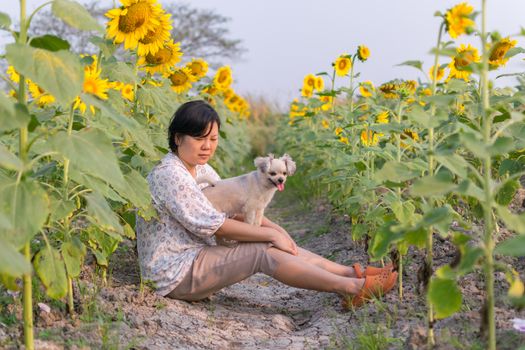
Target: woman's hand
{"type": "Point", "coordinates": [284, 242]}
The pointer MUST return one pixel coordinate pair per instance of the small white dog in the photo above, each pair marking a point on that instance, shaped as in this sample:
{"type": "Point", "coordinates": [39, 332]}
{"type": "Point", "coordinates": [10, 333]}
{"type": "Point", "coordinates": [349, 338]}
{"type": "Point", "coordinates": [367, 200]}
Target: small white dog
{"type": "Point", "coordinates": [249, 194]}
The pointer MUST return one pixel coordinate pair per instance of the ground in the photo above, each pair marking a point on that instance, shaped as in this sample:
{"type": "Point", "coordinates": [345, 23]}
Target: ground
{"type": "Point", "coordinates": [261, 313]}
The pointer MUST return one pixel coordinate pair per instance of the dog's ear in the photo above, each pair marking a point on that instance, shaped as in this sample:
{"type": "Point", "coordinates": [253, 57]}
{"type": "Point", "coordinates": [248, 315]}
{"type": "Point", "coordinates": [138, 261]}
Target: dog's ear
{"type": "Point", "coordinates": [290, 164]}
{"type": "Point", "coordinates": [262, 163]}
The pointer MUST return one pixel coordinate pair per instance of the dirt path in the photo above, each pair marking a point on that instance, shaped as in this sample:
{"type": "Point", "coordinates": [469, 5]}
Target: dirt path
{"type": "Point", "coordinates": [261, 313]}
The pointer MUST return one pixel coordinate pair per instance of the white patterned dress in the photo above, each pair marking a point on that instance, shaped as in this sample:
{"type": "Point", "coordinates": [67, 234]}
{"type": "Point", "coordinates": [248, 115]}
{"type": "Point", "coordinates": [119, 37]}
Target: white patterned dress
{"type": "Point", "coordinates": [186, 222]}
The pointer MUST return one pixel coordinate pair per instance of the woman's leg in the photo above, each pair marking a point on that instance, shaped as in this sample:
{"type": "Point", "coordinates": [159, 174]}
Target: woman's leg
{"type": "Point", "coordinates": [326, 264]}
{"type": "Point", "coordinates": [300, 272]}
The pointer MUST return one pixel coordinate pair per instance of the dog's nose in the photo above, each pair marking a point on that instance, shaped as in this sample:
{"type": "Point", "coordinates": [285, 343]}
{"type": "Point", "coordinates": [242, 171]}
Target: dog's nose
{"type": "Point", "coordinates": [280, 180]}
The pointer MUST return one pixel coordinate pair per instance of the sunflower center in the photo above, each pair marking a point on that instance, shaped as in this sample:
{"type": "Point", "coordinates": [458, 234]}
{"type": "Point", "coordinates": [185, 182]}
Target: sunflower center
{"type": "Point", "coordinates": [162, 56]}
{"type": "Point", "coordinates": [499, 52]}
{"type": "Point", "coordinates": [90, 86]}
{"type": "Point", "coordinates": [134, 18]}
{"type": "Point", "coordinates": [342, 65]}
{"type": "Point", "coordinates": [223, 77]}
{"type": "Point", "coordinates": [465, 59]}
{"type": "Point", "coordinates": [178, 78]}
{"type": "Point", "coordinates": [196, 68]}
{"type": "Point", "coordinates": [150, 37]}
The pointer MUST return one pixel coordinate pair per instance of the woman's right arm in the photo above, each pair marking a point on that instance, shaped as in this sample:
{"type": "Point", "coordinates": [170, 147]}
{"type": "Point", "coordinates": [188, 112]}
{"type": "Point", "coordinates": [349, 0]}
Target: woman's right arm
{"type": "Point", "coordinates": [243, 232]}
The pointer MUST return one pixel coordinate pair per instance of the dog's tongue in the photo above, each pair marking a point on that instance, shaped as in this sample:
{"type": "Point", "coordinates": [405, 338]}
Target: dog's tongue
{"type": "Point", "coordinates": [280, 187]}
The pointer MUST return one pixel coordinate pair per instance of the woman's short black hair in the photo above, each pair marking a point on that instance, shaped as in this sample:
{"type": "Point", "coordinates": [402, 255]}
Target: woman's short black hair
{"type": "Point", "coordinates": [192, 118]}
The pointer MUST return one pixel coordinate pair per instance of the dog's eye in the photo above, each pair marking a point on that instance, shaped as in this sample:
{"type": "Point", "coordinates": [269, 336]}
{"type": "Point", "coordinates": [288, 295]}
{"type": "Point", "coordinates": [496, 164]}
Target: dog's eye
{"type": "Point", "coordinates": [273, 173]}
{"type": "Point", "coordinates": [284, 173]}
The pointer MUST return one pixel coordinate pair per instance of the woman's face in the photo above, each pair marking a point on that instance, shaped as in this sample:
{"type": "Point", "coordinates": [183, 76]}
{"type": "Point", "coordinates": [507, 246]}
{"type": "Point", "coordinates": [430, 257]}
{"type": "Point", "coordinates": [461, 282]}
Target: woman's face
{"type": "Point", "coordinates": [198, 150]}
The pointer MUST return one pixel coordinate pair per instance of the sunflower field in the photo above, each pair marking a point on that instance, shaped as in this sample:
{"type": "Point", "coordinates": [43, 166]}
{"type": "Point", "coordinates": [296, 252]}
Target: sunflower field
{"type": "Point", "coordinates": [406, 160]}
{"type": "Point", "coordinates": [78, 134]}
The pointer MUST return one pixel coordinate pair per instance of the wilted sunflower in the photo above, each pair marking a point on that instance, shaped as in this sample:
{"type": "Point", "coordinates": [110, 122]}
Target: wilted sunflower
{"type": "Point", "coordinates": [369, 138]}
{"type": "Point", "coordinates": [163, 60]}
{"type": "Point", "coordinates": [366, 88]}
{"type": "Point", "coordinates": [363, 53]}
{"type": "Point", "coordinates": [223, 78]}
{"type": "Point", "coordinates": [408, 134]}
{"type": "Point", "coordinates": [342, 65]}
{"type": "Point", "coordinates": [382, 118]}
{"type": "Point", "coordinates": [41, 97]}
{"type": "Point", "coordinates": [132, 21]}
{"type": "Point", "coordinates": [155, 38]}
{"type": "Point", "coordinates": [198, 68]}
{"type": "Point", "coordinates": [181, 80]}
{"type": "Point", "coordinates": [440, 73]}
{"type": "Point", "coordinates": [319, 83]}
{"type": "Point", "coordinates": [465, 56]}
{"type": "Point", "coordinates": [389, 90]}
{"type": "Point", "coordinates": [499, 51]}
{"type": "Point", "coordinates": [459, 19]}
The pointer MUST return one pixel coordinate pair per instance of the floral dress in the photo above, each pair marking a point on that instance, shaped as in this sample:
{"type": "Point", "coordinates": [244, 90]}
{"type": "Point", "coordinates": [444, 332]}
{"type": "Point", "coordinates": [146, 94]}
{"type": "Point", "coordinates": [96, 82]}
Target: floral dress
{"type": "Point", "coordinates": [186, 222]}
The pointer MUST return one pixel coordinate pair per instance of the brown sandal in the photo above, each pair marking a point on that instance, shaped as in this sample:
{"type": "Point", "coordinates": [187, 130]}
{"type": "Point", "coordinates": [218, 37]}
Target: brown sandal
{"type": "Point", "coordinates": [370, 270]}
{"type": "Point", "coordinates": [374, 286]}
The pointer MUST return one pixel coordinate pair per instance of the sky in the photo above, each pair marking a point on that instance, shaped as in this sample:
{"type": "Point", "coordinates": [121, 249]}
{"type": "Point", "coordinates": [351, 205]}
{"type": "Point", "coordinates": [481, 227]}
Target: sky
{"type": "Point", "coordinates": [288, 39]}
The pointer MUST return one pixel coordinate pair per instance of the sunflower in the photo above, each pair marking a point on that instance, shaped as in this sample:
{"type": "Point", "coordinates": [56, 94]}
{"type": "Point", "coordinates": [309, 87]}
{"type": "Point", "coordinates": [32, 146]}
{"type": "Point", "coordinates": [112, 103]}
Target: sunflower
{"type": "Point", "coordinates": [95, 86]}
{"type": "Point", "coordinates": [155, 38]}
{"type": "Point", "coordinates": [499, 51]}
{"type": "Point", "coordinates": [465, 56]}
{"type": "Point", "coordinates": [41, 97]}
{"type": "Point", "coordinates": [132, 22]}
{"type": "Point", "coordinates": [307, 91]}
{"type": "Point", "coordinates": [325, 123]}
{"type": "Point", "coordinates": [344, 140]}
{"type": "Point", "coordinates": [382, 118]}
{"type": "Point", "coordinates": [127, 92]}
{"type": "Point", "coordinates": [459, 19]}
{"type": "Point", "coordinates": [198, 68]}
{"type": "Point", "coordinates": [223, 77]}
{"type": "Point", "coordinates": [296, 110]}
{"type": "Point", "coordinates": [426, 92]}
{"type": "Point", "coordinates": [163, 60]}
{"type": "Point", "coordinates": [363, 53]}
{"type": "Point", "coordinates": [328, 100]}
{"type": "Point", "coordinates": [440, 73]}
{"type": "Point", "coordinates": [210, 90]}
{"type": "Point", "coordinates": [309, 81]}
{"type": "Point", "coordinates": [369, 138]}
{"type": "Point", "coordinates": [338, 131]}
{"type": "Point", "coordinates": [389, 90]}
{"type": "Point", "coordinates": [319, 83]}
{"type": "Point", "coordinates": [181, 80]}
{"type": "Point", "coordinates": [366, 88]}
{"type": "Point", "coordinates": [342, 65]}
{"type": "Point", "coordinates": [408, 134]}
{"type": "Point", "coordinates": [13, 74]}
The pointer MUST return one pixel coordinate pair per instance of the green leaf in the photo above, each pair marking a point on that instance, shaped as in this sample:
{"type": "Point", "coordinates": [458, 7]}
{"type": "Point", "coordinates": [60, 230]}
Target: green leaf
{"type": "Point", "coordinates": [404, 211]}
{"type": "Point", "coordinates": [468, 188]}
{"type": "Point", "coordinates": [95, 184]}
{"type": "Point", "coordinates": [414, 63]}
{"type": "Point", "coordinates": [99, 209]}
{"type": "Point", "coordinates": [50, 43]}
{"type": "Point", "coordinates": [10, 118]}
{"type": "Point", "coordinates": [9, 161]}
{"type": "Point", "coordinates": [396, 172]}
{"type": "Point", "coordinates": [474, 143]}
{"type": "Point", "coordinates": [90, 151]}
{"type": "Point", "coordinates": [455, 163]}
{"type": "Point", "coordinates": [507, 192]}
{"type": "Point", "coordinates": [5, 20]}
{"type": "Point", "coordinates": [135, 189]}
{"type": "Point", "coordinates": [50, 267]}
{"type": "Point", "coordinates": [502, 145]}
{"type": "Point", "coordinates": [430, 186]}
{"type": "Point", "coordinates": [26, 205]}
{"type": "Point", "coordinates": [435, 216]}
{"type": "Point", "coordinates": [75, 15]}
{"type": "Point", "coordinates": [469, 258]}
{"type": "Point", "coordinates": [445, 295]}
{"type": "Point", "coordinates": [73, 252]}
{"type": "Point", "coordinates": [382, 240]}
{"type": "Point", "coordinates": [513, 246]}
{"type": "Point", "coordinates": [512, 221]}
{"type": "Point", "coordinates": [12, 263]}
{"type": "Point", "coordinates": [120, 71]}
{"type": "Point", "coordinates": [61, 209]}
{"type": "Point", "coordinates": [59, 73]}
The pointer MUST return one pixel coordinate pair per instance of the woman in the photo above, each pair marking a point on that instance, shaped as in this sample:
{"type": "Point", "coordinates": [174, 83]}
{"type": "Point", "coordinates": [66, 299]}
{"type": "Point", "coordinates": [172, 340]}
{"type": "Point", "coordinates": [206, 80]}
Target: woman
{"type": "Point", "coordinates": [177, 250]}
